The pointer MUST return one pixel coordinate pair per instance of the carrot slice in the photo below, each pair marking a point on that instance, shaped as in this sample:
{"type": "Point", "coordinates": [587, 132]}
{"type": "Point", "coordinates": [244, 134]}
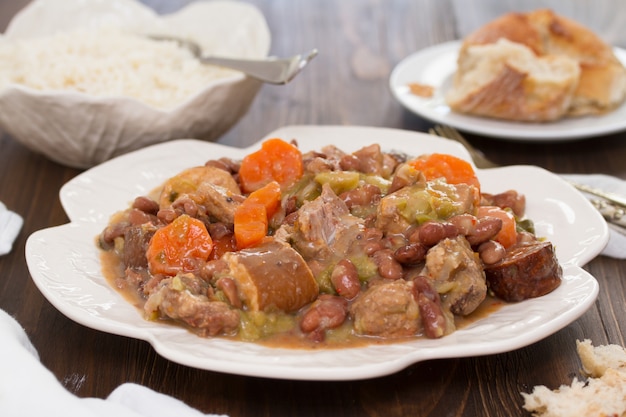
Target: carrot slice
{"type": "Point", "coordinates": [251, 224]}
{"type": "Point", "coordinates": [454, 170]}
{"type": "Point", "coordinates": [253, 215]}
{"type": "Point", "coordinates": [277, 161]}
{"type": "Point", "coordinates": [268, 195]}
{"type": "Point", "coordinates": [179, 247]}
{"type": "Point", "coordinates": [507, 236]}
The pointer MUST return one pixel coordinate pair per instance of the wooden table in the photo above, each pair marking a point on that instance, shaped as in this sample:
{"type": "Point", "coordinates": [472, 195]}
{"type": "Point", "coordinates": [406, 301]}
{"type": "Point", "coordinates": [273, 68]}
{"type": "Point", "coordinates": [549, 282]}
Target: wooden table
{"type": "Point", "coordinates": [359, 42]}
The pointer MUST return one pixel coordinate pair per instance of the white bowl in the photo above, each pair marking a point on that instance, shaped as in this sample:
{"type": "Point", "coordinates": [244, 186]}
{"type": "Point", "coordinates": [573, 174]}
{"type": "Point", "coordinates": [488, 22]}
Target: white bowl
{"type": "Point", "coordinates": [82, 130]}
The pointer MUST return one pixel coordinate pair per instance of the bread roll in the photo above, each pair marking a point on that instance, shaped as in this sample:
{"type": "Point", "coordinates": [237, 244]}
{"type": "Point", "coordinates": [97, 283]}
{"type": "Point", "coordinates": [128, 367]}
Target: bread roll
{"type": "Point", "coordinates": [602, 395]}
{"type": "Point", "coordinates": [536, 66]}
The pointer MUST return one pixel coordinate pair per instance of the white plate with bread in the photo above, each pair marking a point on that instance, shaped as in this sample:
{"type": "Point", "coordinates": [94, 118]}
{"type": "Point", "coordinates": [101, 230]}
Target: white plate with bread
{"type": "Point", "coordinates": [542, 86]}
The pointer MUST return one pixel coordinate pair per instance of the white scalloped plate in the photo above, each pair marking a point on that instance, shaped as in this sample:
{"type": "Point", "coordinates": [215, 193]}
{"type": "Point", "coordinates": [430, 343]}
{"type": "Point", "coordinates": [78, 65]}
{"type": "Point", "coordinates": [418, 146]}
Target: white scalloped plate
{"type": "Point", "coordinates": [64, 262]}
{"type": "Point", "coordinates": [436, 65]}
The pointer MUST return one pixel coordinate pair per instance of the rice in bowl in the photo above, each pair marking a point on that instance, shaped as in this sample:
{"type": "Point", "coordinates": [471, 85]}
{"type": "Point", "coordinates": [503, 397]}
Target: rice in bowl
{"type": "Point", "coordinates": [81, 83]}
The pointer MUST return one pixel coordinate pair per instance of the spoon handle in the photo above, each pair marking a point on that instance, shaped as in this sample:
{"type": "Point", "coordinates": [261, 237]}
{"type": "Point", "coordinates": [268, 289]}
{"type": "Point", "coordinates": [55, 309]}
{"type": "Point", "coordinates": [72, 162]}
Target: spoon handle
{"type": "Point", "coordinates": [272, 70]}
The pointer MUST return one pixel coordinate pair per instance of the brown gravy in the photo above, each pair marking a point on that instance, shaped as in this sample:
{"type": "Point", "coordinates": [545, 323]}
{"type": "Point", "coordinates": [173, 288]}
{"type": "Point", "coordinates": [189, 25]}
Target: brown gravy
{"type": "Point", "coordinates": [336, 338]}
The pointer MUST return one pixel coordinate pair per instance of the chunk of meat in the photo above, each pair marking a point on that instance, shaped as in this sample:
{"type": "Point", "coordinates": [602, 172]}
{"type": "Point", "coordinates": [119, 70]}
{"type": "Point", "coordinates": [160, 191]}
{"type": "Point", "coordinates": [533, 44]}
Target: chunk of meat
{"type": "Point", "coordinates": [414, 204]}
{"type": "Point", "coordinates": [325, 228]}
{"type": "Point", "coordinates": [404, 176]}
{"type": "Point", "coordinates": [371, 160]}
{"type": "Point", "coordinates": [457, 275]}
{"type": "Point", "coordinates": [220, 203]}
{"type": "Point", "coordinates": [136, 240]}
{"type": "Point", "coordinates": [527, 271]}
{"type": "Point", "coordinates": [387, 309]}
{"type": "Point", "coordinates": [272, 276]}
{"type": "Point", "coordinates": [188, 182]}
{"type": "Point", "coordinates": [183, 298]}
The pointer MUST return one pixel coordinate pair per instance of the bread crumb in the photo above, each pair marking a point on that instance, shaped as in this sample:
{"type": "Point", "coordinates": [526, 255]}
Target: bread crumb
{"type": "Point", "coordinates": [603, 394]}
{"type": "Point", "coordinates": [422, 90]}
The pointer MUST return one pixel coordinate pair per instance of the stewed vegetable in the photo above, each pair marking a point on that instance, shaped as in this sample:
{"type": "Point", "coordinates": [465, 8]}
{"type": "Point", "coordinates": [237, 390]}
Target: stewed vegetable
{"type": "Point", "coordinates": [326, 246]}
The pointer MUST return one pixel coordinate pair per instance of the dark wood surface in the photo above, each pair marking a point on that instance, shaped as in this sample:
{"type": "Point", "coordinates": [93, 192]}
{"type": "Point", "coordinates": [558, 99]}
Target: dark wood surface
{"type": "Point", "coordinates": [359, 41]}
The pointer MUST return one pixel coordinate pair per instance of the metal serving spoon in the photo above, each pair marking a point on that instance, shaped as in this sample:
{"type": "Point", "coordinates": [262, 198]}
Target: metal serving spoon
{"type": "Point", "coordinates": [270, 70]}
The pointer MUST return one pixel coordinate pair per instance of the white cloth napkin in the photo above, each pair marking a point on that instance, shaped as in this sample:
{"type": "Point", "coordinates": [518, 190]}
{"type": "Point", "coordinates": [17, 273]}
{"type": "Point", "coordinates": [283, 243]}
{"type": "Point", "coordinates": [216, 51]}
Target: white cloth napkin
{"type": "Point", "coordinates": [616, 248]}
{"type": "Point", "coordinates": [28, 389]}
{"type": "Point", "coordinates": [10, 225]}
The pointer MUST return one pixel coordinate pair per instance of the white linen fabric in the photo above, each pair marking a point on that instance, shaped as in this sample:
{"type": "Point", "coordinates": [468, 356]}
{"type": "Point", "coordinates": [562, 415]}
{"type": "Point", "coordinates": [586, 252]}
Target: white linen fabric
{"type": "Point", "coordinates": [10, 225]}
{"type": "Point", "coordinates": [28, 389]}
{"type": "Point", "coordinates": [607, 18]}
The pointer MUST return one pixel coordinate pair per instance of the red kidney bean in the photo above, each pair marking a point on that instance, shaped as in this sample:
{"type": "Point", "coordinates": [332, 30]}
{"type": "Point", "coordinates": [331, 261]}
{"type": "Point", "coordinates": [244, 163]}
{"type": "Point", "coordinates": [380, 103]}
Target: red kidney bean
{"type": "Point", "coordinates": [217, 164]}
{"type": "Point", "coordinates": [485, 229]}
{"type": "Point", "coordinates": [229, 286]}
{"type": "Point", "coordinates": [345, 279]}
{"type": "Point", "coordinates": [372, 247]}
{"type": "Point", "coordinates": [327, 312]}
{"type": "Point", "coordinates": [465, 223]}
{"type": "Point", "coordinates": [167, 215]}
{"type": "Point", "coordinates": [413, 235]}
{"type": "Point", "coordinates": [219, 230]}
{"type": "Point", "coordinates": [186, 205]}
{"type": "Point", "coordinates": [365, 195]}
{"type": "Point", "coordinates": [113, 231]}
{"type": "Point", "coordinates": [410, 254]}
{"type": "Point", "coordinates": [145, 204]}
{"type": "Point", "coordinates": [432, 232]}
{"type": "Point", "coordinates": [525, 237]}
{"type": "Point", "coordinates": [432, 317]}
{"type": "Point", "coordinates": [226, 164]}
{"type": "Point", "coordinates": [388, 267]}
{"type": "Point", "coordinates": [508, 199]}
{"type": "Point", "coordinates": [491, 252]}
{"type": "Point", "coordinates": [350, 162]}
{"type": "Point", "coordinates": [429, 305]}
{"type": "Point", "coordinates": [138, 217]}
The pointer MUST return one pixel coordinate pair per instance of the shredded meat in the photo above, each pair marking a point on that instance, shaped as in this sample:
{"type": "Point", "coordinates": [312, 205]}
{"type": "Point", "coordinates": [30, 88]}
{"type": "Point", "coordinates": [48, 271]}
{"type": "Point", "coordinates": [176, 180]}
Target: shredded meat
{"type": "Point", "coordinates": [181, 298]}
{"type": "Point", "coordinates": [325, 228]}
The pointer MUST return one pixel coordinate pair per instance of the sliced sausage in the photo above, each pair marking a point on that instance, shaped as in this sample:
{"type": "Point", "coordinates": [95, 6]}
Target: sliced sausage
{"type": "Point", "coordinates": [272, 276]}
{"type": "Point", "coordinates": [527, 271]}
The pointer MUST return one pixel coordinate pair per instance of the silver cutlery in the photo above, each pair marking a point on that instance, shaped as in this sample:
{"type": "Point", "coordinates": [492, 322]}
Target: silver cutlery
{"type": "Point", "coordinates": [270, 70]}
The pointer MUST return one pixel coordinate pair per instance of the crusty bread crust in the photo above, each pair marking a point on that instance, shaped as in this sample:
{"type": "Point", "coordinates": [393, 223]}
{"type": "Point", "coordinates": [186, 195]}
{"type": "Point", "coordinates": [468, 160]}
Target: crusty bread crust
{"type": "Point", "coordinates": [599, 87]}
